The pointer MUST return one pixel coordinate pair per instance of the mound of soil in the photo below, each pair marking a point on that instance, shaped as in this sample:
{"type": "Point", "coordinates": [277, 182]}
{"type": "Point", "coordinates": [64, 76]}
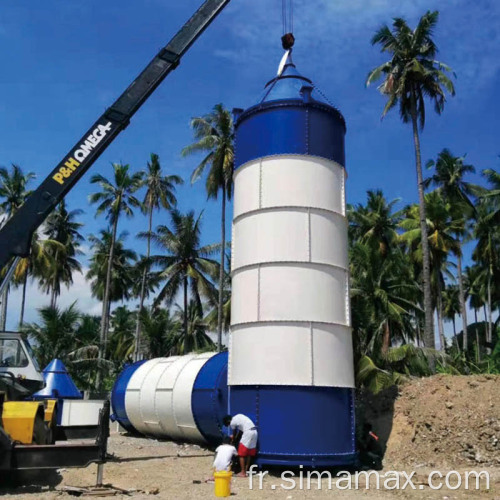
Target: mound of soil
{"type": "Point", "coordinates": [441, 421]}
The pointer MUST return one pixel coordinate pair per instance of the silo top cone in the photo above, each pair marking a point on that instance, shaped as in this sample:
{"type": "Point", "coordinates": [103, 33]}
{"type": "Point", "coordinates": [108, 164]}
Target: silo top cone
{"type": "Point", "coordinates": [58, 383]}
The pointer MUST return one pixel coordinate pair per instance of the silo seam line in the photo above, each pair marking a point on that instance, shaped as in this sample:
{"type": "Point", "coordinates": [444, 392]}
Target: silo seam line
{"type": "Point", "coordinates": [294, 322]}
{"type": "Point", "coordinates": [311, 332]}
{"type": "Point", "coordinates": [282, 156]}
{"type": "Point", "coordinates": [173, 387]}
{"type": "Point", "coordinates": [260, 185]}
{"type": "Point", "coordinates": [258, 293]}
{"type": "Point", "coordinates": [273, 263]}
{"type": "Point", "coordinates": [289, 208]}
{"type": "Point", "coordinates": [292, 103]}
{"type": "Point", "coordinates": [309, 242]}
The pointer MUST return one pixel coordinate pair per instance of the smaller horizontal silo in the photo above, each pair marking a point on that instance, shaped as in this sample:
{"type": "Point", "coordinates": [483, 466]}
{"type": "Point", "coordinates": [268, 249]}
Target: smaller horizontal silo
{"type": "Point", "coordinates": [182, 397]}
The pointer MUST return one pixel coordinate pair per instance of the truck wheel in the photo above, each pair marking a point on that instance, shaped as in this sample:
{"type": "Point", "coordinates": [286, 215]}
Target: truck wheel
{"type": "Point", "coordinates": [39, 430]}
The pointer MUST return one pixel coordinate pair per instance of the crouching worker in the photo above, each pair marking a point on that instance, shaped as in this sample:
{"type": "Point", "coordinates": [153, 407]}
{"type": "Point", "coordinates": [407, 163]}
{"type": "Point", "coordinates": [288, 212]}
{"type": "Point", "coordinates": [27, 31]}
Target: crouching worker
{"type": "Point", "coordinates": [224, 454]}
{"type": "Point", "coordinates": [248, 442]}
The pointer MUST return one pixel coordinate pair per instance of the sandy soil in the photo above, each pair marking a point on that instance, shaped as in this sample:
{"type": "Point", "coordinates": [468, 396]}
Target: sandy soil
{"type": "Point", "coordinates": [442, 423]}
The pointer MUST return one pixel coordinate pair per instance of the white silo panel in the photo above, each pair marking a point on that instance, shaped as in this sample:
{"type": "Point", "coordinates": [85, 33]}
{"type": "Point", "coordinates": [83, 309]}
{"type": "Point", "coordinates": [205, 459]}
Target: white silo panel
{"type": "Point", "coordinates": [304, 182]}
{"type": "Point", "coordinates": [332, 356]}
{"type": "Point", "coordinates": [247, 188]}
{"type": "Point", "coordinates": [302, 292]}
{"type": "Point", "coordinates": [133, 392]}
{"type": "Point", "coordinates": [149, 416]}
{"type": "Point", "coordinates": [271, 236]}
{"type": "Point", "coordinates": [182, 392]}
{"type": "Point", "coordinates": [164, 397]}
{"type": "Point", "coordinates": [244, 297]}
{"type": "Point", "coordinates": [329, 239]}
{"type": "Point", "coordinates": [271, 354]}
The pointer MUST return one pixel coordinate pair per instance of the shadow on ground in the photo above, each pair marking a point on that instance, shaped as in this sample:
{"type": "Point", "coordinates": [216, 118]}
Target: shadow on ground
{"type": "Point", "coordinates": [29, 482]}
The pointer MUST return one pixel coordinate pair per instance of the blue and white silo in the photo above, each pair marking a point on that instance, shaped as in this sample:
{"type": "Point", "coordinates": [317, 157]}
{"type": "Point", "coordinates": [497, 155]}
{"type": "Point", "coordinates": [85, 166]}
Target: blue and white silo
{"type": "Point", "coordinates": [290, 356]}
{"type": "Point", "coordinates": [181, 397]}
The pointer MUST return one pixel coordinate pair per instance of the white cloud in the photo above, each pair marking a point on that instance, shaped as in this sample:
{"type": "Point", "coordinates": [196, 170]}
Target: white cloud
{"type": "Point", "coordinates": [36, 299]}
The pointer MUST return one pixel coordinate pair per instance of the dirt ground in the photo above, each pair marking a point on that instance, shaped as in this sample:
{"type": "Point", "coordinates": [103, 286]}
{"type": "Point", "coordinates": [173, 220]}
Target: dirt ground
{"type": "Point", "coordinates": [441, 423]}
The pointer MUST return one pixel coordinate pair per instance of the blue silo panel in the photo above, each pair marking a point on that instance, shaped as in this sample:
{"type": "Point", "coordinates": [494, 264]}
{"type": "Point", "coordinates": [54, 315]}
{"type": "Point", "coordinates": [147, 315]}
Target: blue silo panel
{"type": "Point", "coordinates": [290, 127]}
{"type": "Point", "coordinates": [118, 396]}
{"type": "Point", "coordinates": [310, 426]}
{"type": "Point", "coordinates": [209, 397]}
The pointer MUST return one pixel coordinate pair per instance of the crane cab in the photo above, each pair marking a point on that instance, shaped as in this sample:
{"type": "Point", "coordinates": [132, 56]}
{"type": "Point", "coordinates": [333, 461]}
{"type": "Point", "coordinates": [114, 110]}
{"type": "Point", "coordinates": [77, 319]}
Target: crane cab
{"type": "Point", "coordinates": [24, 421]}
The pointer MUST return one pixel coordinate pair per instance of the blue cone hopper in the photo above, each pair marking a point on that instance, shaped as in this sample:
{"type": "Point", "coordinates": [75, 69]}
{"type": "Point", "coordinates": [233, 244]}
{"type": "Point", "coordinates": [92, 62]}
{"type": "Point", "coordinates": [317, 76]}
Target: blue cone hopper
{"type": "Point", "coordinates": [58, 383]}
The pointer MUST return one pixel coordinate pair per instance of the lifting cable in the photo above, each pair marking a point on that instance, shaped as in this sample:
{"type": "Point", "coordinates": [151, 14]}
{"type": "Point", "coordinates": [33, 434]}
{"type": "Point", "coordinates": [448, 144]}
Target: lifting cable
{"type": "Point", "coordinates": [287, 39]}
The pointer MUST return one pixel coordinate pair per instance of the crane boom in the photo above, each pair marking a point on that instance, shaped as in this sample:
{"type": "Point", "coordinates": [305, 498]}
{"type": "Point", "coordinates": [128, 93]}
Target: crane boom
{"type": "Point", "coordinates": [16, 234]}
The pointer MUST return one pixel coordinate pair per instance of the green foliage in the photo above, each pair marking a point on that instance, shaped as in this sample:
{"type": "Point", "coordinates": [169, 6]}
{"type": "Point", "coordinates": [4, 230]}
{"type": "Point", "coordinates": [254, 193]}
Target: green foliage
{"type": "Point", "coordinates": [122, 266]}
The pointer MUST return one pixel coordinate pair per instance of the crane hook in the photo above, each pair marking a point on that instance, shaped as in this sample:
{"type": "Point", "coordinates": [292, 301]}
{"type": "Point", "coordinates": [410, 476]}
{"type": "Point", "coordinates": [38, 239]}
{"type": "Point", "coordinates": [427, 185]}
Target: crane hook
{"type": "Point", "coordinates": [287, 40]}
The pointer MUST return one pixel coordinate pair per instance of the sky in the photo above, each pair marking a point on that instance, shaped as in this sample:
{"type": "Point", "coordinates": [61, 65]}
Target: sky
{"type": "Point", "coordinates": [63, 63]}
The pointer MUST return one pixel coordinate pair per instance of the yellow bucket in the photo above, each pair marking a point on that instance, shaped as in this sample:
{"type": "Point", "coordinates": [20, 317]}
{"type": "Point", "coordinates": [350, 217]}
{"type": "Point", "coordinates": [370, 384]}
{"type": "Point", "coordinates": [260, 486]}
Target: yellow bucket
{"type": "Point", "coordinates": [222, 483]}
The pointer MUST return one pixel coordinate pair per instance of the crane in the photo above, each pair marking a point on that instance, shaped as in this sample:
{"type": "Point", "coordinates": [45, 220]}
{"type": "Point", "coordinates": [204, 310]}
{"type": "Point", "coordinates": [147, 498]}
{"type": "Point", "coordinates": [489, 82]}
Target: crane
{"type": "Point", "coordinates": [22, 422]}
{"type": "Point", "coordinates": [16, 234]}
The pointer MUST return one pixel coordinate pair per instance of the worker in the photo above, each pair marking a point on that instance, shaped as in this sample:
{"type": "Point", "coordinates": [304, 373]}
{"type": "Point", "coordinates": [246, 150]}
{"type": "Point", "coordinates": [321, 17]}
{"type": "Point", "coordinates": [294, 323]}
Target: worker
{"type": "Point", "coordinates": [224, 454]}
{"type": "Point", "coordinates": [369, 448]}
{"type": "Point", "coordinates": [247, 447]}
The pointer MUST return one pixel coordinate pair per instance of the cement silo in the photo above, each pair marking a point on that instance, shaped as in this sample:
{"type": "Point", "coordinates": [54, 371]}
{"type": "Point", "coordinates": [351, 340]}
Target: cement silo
{"type": "Point", "coordinates": [180, 397]}
{"type": "Point", "coordinates": [291, 361]}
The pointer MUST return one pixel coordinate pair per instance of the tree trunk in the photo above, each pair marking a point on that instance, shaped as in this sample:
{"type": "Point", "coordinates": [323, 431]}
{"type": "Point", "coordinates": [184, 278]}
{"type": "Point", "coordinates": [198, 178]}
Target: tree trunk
{"type": "Point", "coordinates": [143, 290]}
{"type": "Point", "coordinates": [23, 299]}
{"type": "Point", "coordinates": [463, 311]}
{"type": "Point", "coordinates": [3, 316]}
{"type": "Point", "coordinates": [185, 314]}
{"type": "Point", "coordinates": [53, 298]}
{"type": "Point", "coordinates": [477, 338]}
{"type": "Point", "coordinates": [386, 339]}
{"type": "Point", "coordinates": [429, 340]}
{"type": "Point", "coordinates": [439, 310]}
{"type": "Point", "coordinates": [106, 304]}
{"type": "Point", "coordinates": [221, 272]}
{"type": "Point", "coordinates": [490, 319]}
{"type": "Point", "coordinates": [455, 334]}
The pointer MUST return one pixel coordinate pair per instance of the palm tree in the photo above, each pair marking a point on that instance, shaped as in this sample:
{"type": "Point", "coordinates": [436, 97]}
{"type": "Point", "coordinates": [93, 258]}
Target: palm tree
{"type": "Point", "coordinates": [186, 264]}
{"type": "Point", "coordinates": [68, 335]}
{"type": "Point", "coordinates": [121, 338]}
{"type": "Point", "coordinates": [410, 75]}
{"type": "Point", "coordinates": [212, 317]}
{"type": "Point", "coordinates": [161, 332]}
{"type": "Point", "coordinates": [160, 192]}
{"type": "Point", "coordinates": [493, 194]}
{"type": "Point", "coordinates": [440, 230]}
{"type": "Point", "coordinates": [122, 267]}
{"type": "Point", "coordinates": [115, 198]}
{"type": "Point", "coordinates": [40, 263]}
{"type": "Point", "coordinates": [487, 250]}
{"type": "Point", "coordinates": [54, 337]}
{"type": "Point", "coordinates": [449, 178]}
{"type": "Point", "coordinates": [214, 135]}
{"type": "Point", "coordinates": [62, 227]}
{"type": "Point", "coordinates": [375, 223]}
{"type": "Point", "coordinates": [476, 294]}
{"type": "Point", "coordinates": [383, 299]}
{"type": "Point", "coordinates": [195, 338]}
{"type": "Point", "coordinates": [451, 307]}
{"type": "Point", "coordinates": [13, 193]}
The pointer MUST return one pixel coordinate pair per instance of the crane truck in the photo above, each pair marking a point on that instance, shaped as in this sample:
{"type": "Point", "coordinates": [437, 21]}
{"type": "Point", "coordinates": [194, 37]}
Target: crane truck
{"type": "Point", "coordinates": [27, 427]}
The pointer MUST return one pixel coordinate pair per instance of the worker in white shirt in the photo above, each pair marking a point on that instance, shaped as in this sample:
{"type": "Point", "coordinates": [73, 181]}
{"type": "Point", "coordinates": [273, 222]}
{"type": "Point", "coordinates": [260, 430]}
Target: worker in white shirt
{"type": "Point", "coordinates": [248, 442]}
{"type": "Point", "coordinates": [224, 455]}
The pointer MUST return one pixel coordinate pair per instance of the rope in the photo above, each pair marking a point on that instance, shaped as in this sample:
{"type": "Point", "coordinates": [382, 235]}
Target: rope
{"type": "Point", "coordinates": [287, 39]}
{"type": "Point", "coordinates": [287, 16]}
